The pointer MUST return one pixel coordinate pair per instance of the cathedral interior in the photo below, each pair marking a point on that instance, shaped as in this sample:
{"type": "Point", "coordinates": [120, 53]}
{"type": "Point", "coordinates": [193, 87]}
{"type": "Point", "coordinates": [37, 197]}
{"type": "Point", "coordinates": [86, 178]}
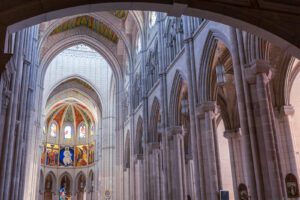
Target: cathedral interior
{"type": "Point", "coordinates": [169, 100]}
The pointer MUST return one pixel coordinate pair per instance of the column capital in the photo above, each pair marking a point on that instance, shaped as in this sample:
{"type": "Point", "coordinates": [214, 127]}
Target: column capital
{"type": "Point", "coordinates": [286, 110]}
{"type": "Point", "coordinates": [257, 67]}
{"type": "Point", "coordinates": [174, 130]}
{"type": "Point", "coordinates": [208, 106]}
{"type": "Point", "coordinates": [152, 146]}
{"type": "Point", "coordinates": [233, 133]}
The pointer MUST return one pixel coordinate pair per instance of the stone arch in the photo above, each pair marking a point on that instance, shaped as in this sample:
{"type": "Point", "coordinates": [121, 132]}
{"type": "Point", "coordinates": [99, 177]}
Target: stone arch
{"type": "Point", "coordinates": [54, 181]}
{"type": "Point", "coordinates": [68, 178]}
{"type": "Point", "coordinates": [79, 81]}
{"type": "Point", "coordinates": [155, 118]}
{"type": "Point", "coordinates": [91, 181]}
{"type": "Point", "coordinates": [139, 137]}
{"type": "Point", "coordinates": [179, 83]}
{"type": "Point", "coordinates": [80, 184]}
{"type": "Point", "coordinates": [205, 77]}
{"type": "Point", "coordinates": [91, 42]}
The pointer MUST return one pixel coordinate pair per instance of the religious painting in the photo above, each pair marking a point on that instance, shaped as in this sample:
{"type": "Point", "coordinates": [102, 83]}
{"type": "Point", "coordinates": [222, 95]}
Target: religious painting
{"type": "Point", "coordinates": [52, 152]}
{"type": "Point", "coordinates": [91, 153]}
{"type": "Point", "coordinates": [81, 155]}
{"type": "Point", "coordinates": [82, 131]}
{"type": "Point", "coordinates": [68, 132]}
{"type": "Point", "coordinates": [43, 155]}
{"type": "Point", "coordinates": [66, 156]}
{"type": "Point", "coordinates": [53, 129]}
{"type": "Point", "coordinates": [243, 192]}
{"type": "Point", "coordinates": [291, 186]}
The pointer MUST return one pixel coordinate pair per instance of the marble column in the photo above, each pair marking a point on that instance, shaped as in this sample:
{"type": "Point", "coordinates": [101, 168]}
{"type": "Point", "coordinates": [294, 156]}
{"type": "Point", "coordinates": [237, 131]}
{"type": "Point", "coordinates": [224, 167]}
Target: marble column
{"type": "Point", "coordinates": [177, 162]}
{"type": "Point", "coordinates": [207, 115]}
{"type": "Point", "coordinates": [258, 75]}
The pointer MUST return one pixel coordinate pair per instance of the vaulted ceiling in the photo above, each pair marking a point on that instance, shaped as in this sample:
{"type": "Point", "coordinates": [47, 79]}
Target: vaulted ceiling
{"type": "Point", "coordinates": [89, 22]}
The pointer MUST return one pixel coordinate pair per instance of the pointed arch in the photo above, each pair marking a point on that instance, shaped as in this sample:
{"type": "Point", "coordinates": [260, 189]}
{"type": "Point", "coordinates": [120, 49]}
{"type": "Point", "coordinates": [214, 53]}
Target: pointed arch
{"type": "Point", "coordinates": [206, 87]}
{"type": "Point", "coordinates": [178, 87]}
{"type": "Point", "coordinates": [154, 135]}
{"type": "Point", "coordinates": [139, 137]}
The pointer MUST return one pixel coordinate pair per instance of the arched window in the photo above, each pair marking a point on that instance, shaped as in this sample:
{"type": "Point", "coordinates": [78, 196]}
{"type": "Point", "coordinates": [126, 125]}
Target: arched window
{"type": "Point", "coordinates": [82, 130]}
{"type": "Point", "coordinates": [67, 132]}
{"type": "Point", "coordinates": [92, 129]}
{"type": "Point", "coordinates": [53, 129]}
{"type": "Point", "coordinates": [152, 19]}
{"type": "Point", "coordinates": [138, 43]}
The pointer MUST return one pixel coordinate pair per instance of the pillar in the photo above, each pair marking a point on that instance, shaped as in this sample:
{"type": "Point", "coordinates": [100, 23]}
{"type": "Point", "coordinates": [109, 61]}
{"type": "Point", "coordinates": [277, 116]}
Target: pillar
{"type": "Point", "coordinates": [206, 113]}
{"type": "Point", "coordinates": [236, 158]}
{"type": "Point", "coordinates": [286, 144]}
{"type": "Point", "coordinates": [177, 162]}
{"type": "Point", "coordinates": [258, 76]}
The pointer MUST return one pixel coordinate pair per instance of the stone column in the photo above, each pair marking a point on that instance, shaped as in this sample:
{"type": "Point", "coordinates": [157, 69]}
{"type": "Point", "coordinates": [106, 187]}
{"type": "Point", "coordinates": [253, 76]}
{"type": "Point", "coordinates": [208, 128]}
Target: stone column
{"type": "Point", "coordinates": [155, 175]}
{"type": "Point", "coordinates": [236, 158]}
{"type": "Point", "coordinates": [191, 72]}
{"type": "Point", "coordinates": [177, 162]}
{"type": "Point", "coordinates": [206, 115]}
{"type": "Point", "coordinates": [138, 165]}
{"type": "Point", "coordinates": [286, 144]}
{"type": "Point", "coordinates": [258, 76]}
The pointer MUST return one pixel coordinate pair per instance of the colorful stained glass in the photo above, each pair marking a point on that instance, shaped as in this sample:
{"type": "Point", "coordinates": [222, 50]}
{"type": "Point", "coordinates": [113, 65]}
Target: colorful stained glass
{"type": "Point", "coordinates": [68, 132]}
{"type": "Point", "coordinates": [53, 129]}
{"type": "Point", "coordinates": [82, 131]}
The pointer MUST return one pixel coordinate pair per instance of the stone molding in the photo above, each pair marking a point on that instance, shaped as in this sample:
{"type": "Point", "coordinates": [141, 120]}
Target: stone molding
{"type": "Point", "coordinates": [233, 133]}
{"type": "Point", "coordinates": [258, 67]}
{"type": "Point", "coordinates": [209, 106]}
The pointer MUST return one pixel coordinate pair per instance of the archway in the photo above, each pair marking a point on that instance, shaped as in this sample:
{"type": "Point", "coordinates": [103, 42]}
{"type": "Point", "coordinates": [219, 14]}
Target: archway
{"type": "Point", "coordinates": [248, 17]}
{"type": "Point", "coordinates": [65, 186]}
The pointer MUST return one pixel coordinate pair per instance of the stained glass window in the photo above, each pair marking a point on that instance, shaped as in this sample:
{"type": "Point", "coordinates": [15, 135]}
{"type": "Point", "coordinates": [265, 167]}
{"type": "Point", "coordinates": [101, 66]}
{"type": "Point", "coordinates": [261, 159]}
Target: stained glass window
{"type": "Point", "coordinates": [82, 131]}
{"type": "Point", "coordinates": [138, 44]}
{"type": "Point", "coordinates": [152, 19]}
{"type": "Point", "coordinates": [53, 129]}
{"type": "Point", "coordinates": [68, 132]}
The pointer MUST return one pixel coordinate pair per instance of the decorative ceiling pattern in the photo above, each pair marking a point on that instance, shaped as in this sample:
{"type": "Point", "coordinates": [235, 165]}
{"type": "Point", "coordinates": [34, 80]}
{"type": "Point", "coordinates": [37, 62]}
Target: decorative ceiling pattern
{"type": "Point", "coordinates": [89, 22]}
{"type": "Point", "coordinates": [121, 14]}
{"type": "Point", "coordinates": [70, 112]}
